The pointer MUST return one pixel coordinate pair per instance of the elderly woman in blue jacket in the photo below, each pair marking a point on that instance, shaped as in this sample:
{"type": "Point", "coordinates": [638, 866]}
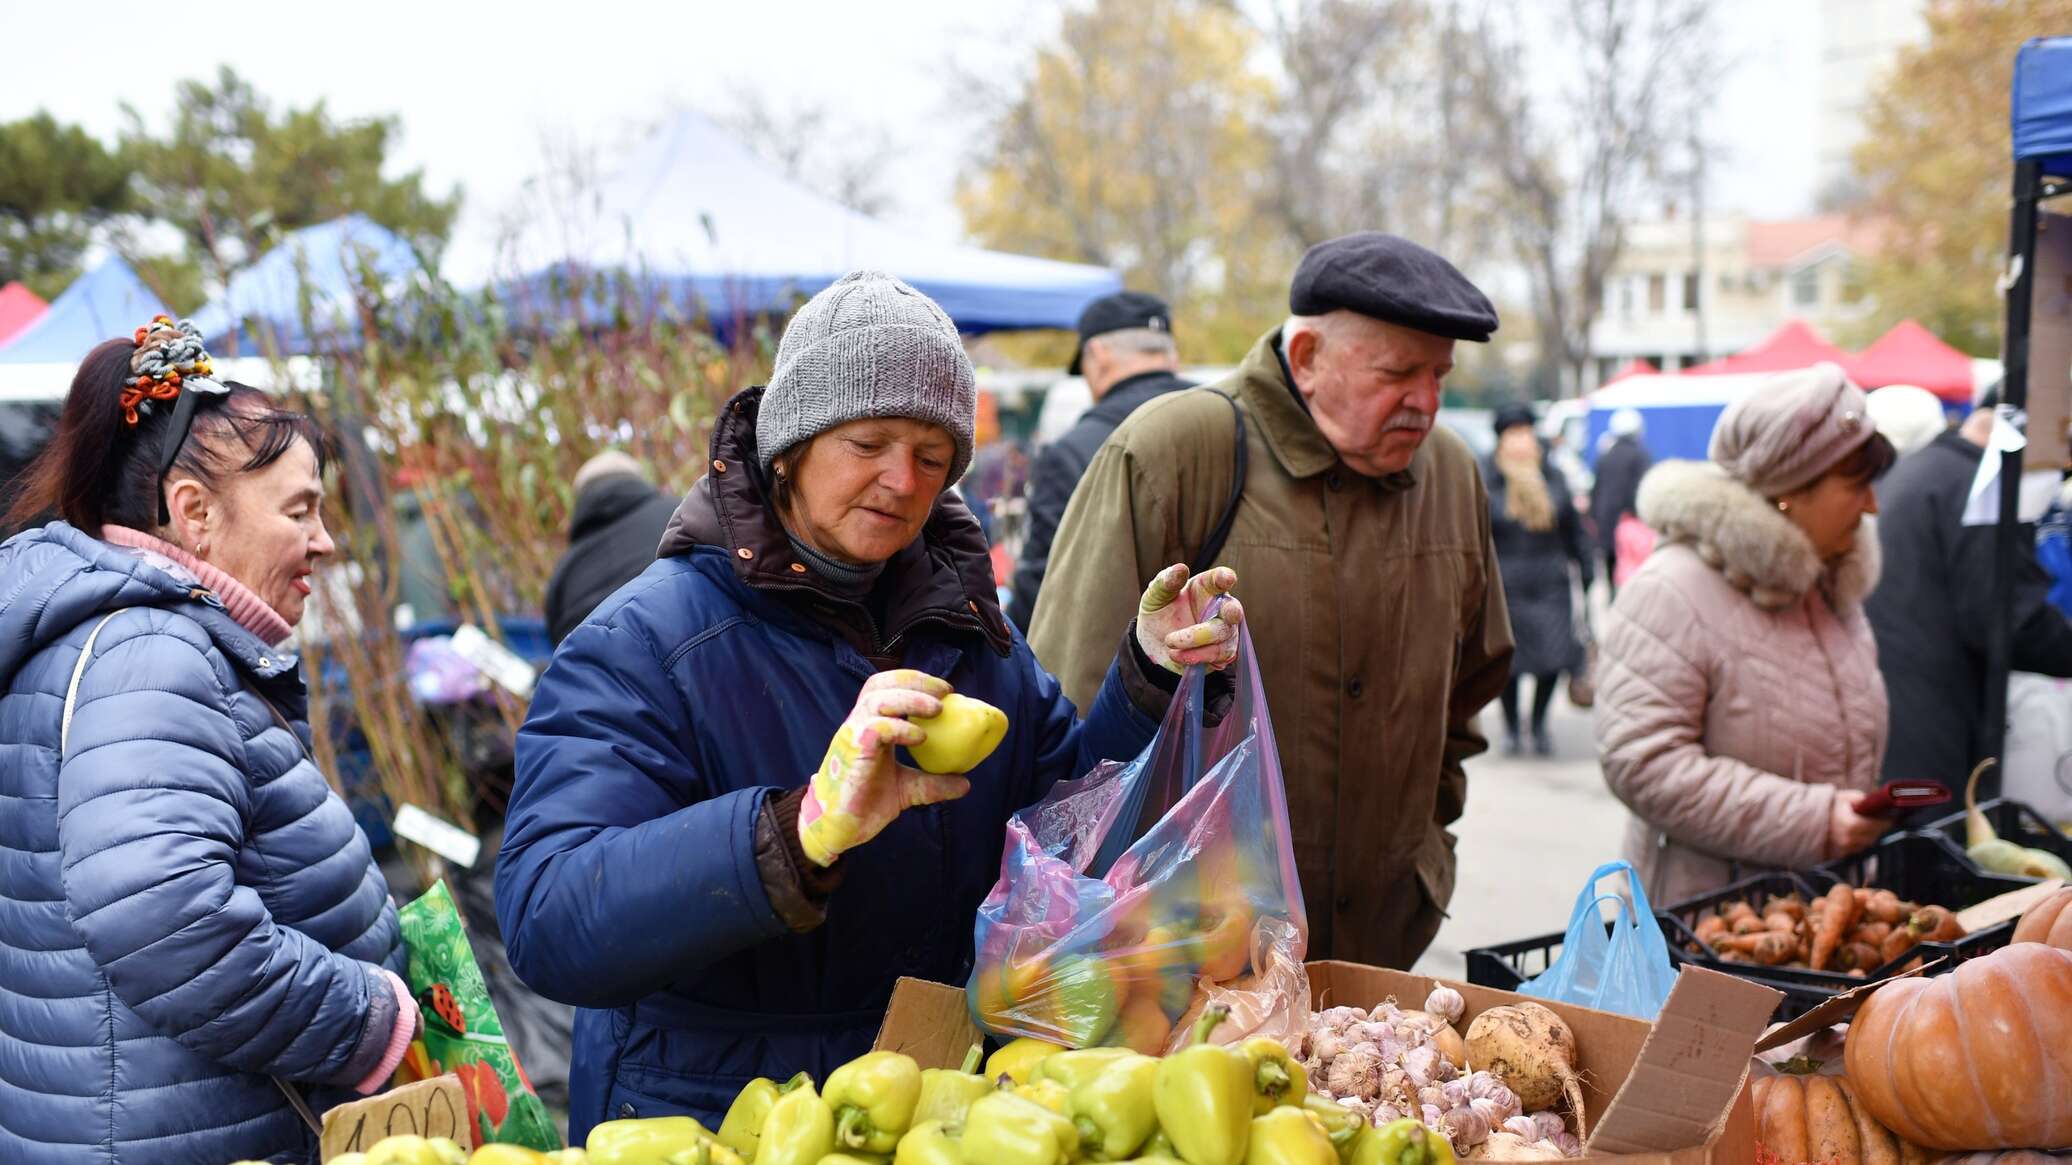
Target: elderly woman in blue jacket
{"type": "Point", "coordinates": [667, 865]}
{"type": "Point", "coordinates": [191, 925]}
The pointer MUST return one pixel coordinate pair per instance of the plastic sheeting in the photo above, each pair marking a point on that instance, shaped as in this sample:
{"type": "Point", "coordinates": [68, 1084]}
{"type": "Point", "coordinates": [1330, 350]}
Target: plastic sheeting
{"type": "Point", "coordinates": [2042, 106]}
{"type": "Point", "coordinates": [305, 289]}
{"type": "Point", "coordinates": [104, 303]}
{"type": "Point", "coordinates": [703, 224]}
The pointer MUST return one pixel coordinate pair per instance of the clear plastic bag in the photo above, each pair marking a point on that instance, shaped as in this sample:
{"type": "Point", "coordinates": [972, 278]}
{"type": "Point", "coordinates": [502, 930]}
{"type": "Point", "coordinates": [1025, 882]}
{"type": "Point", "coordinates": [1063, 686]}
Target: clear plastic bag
{"type": "Point", "coordinates": [1123, 891]}
{"type": "Point", "coordinates": [1627, 971]}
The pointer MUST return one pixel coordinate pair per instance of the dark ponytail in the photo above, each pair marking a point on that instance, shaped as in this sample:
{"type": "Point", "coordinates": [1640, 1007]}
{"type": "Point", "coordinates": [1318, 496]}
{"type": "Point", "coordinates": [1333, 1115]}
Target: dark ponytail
{"type": "Point", "coordinates": [100, 470]}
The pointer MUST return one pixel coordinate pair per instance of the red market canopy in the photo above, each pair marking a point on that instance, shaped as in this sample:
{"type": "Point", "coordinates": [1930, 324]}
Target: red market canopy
{"type": "Point", "coordinates": [1633, 367]}
{"type": "Point", "coordinates": [19, 307]}
{"type": "Point", "coordinates": [1911, 354]}
{"type": "Point", "coordinates": [1795, 345]}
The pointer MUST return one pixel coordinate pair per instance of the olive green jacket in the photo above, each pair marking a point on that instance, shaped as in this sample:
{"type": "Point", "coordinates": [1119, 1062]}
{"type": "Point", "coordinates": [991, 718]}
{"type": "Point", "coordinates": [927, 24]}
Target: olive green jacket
{"type": "Point", "coordinates": [1375, 609]}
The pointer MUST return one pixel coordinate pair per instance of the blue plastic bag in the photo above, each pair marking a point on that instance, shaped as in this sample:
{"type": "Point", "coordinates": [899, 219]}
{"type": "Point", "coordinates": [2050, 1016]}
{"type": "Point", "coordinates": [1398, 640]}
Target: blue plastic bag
{"type": "Point", "coordinates": [1628, 971]}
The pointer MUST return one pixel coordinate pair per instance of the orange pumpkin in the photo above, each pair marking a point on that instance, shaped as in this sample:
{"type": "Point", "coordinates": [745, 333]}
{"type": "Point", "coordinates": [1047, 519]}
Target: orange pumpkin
{"type": "Point", "coordinates": [1816, 1118]}
{"type": "Point", "coordinates": [2008, 1157]}
{"type": "Point", "coordinates": [1975, 1059]}
{"type": "Point", "coordinates": [2048, 922]}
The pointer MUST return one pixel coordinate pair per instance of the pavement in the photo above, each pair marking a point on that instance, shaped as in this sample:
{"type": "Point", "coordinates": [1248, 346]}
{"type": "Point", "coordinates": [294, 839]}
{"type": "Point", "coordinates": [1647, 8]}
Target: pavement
{"type": "Point", "coordinates": [1535, 827]}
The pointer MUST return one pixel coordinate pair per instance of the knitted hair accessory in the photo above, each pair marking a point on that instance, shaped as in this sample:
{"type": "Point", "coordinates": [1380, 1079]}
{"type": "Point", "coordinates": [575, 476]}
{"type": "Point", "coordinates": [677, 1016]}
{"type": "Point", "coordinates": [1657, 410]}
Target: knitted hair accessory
{"type": "Point", "coordinates": [169, 356]}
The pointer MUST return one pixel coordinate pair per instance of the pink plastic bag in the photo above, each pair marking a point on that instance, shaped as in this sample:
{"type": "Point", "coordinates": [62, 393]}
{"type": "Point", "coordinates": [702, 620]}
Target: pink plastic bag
{"type": "Point", "coordinates": [1123, 891]}
{"type": "Point", "coordinates": [1632, 542]}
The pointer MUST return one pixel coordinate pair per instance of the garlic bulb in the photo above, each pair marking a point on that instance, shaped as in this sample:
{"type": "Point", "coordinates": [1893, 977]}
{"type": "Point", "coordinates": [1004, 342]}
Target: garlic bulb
{"type": "Point", "coordinates": [1356, 1072]}
{"type": "Point", "coordinates": [1523, 1127]}
{"type": "Point", "coordinates": [1422, 1064]}
{"type": "Point", "coordinates": [1430, 1115]}
{"type": "Point", "coordinates": [1339, 1018]}
{"type": "Point", "coordinates": [1326, 1046]}
{"type": "Point", "coordinates": [1446, 1003]}
{"type": "Point", "coordinates": [1549, 1124]}
{"type": "Point", "coordinates": [1385, 1113]}
{"type": "Point", "coordinates": [1464, 1127]}
{"type": "Point", "coordinates": [1490, 1111]}
{"type": "Point", "coordinates": [1489, 1087]}
{"type": "Point", "coordinates": [1456, 1093]}
{"type": "Point", "coordinates": [1568, 1144]}
{"type": "Point", "coordinates": [1360, 1105]}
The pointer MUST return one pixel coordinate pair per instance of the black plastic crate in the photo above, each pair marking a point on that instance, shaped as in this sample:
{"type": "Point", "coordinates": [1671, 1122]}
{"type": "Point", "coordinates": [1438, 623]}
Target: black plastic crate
{"type": "Point", "coordinates": [1507, 966]}
{"type": "Point", "coordinates": [2014, 821]}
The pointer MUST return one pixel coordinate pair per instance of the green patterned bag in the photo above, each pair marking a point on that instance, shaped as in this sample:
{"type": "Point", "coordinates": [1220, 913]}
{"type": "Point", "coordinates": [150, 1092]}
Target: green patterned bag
{"type": "Point", "coordinates": [461, 1032]}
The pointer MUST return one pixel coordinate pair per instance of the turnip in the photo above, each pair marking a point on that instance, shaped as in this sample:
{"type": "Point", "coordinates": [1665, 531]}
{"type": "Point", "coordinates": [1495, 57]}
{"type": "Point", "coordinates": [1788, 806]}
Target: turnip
{"type": "Point", "coordinates": [1532, 1051]}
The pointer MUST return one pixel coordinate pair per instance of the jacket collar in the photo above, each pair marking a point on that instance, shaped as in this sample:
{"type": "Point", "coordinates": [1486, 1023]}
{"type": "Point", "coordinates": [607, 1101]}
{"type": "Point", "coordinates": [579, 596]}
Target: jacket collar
{"type": "Point", "coordinates": [1268, 391]}
{"type": "Point", "coordinates": [1742, 535]}
{"type": "Point", "coordinates": [944, 577]}
{"type": "Point", "coordinates": [1123, 397]}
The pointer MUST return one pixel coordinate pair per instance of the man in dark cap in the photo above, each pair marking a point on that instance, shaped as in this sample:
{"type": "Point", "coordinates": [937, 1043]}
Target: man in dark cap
{"type": "Point", "coordinates": [1365, 528]}
{"type": "Point", "coordinates": [1127, 356]}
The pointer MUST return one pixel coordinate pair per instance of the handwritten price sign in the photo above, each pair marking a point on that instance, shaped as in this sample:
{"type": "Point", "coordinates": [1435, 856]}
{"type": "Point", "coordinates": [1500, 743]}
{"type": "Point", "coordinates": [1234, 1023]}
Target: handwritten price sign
{"type": "Point", "coordinates": [428, 1108]}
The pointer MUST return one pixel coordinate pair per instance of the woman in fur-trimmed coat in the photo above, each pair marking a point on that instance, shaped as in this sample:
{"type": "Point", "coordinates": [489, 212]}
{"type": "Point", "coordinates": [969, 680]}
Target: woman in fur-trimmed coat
{"type": "Point", "coordinates": [1741, 710]}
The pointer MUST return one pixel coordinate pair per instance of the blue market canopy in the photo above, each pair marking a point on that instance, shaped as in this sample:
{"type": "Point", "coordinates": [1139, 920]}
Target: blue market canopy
{"type": "Point", "coordinates": [697, 221]}
{"type": "Point", "coordinates": [306, 289]}
{"type": "Point", "coordinates": [2042, 104]}
{"type": "Point", "coordinates": [104, 303]}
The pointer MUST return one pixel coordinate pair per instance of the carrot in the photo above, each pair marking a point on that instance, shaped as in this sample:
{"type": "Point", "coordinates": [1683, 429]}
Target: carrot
{"type": "Point", "coordinates": [1711, 929]}
{"type": "Point", "coordinates": [1841, 912]}
{"type": "Point", "coordinates": [1873, 932]}
{"type": "Point", "coordinates": [1748, 924]}
{"type": "Point", "coordinates": [1735, 910]}
{"type": "Point", "coordinates": [1933, 924]}
{"type": "Point", "coordinates": [1780, 921]}
{"type": "Point", "coordinates": [1857, 957]}
{"type": "Point", "coordinates": [1785, 904]}
{"type": "Point", "coordinates": [1899, 942]}
{"type": "Point", "coordinates": [1770, 948]}
{"type": "Point", "coordinates": [1885, 906]}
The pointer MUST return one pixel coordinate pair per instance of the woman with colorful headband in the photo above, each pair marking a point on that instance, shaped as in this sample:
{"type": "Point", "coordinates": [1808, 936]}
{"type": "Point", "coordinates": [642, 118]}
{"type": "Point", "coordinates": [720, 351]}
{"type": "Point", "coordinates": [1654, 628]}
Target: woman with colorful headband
{"type": "Point", "coordinates": [193, 933]}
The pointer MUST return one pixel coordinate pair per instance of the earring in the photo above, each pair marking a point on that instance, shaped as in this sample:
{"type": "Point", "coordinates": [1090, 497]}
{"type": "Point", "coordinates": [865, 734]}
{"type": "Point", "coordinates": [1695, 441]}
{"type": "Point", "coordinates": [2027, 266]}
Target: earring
{"type": "Point", "coordinates": [1784, 507]}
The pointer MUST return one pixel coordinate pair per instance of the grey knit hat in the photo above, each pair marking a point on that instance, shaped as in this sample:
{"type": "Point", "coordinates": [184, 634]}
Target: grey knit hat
{"type": "Point", "coordinates": [868, 346]}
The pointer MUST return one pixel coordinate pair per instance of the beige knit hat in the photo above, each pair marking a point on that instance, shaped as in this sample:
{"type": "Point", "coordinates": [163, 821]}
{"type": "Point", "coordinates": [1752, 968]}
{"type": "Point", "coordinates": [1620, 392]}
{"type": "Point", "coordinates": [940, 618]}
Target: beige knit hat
{"type": "Point", "coordinates": [1790, 430]}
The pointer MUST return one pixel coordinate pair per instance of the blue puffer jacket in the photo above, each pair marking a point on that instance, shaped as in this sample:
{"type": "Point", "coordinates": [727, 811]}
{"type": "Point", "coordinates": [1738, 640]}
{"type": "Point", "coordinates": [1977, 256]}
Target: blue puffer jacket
{"type": "Point", "coordinates": [629, 882]}
{"type": "Point", "coordinates": [185, 907]}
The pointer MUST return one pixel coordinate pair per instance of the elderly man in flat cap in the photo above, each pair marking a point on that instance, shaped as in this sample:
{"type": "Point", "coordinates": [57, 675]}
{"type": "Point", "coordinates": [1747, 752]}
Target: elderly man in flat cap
{"type": "Point", "coordinates": [1318, 471]}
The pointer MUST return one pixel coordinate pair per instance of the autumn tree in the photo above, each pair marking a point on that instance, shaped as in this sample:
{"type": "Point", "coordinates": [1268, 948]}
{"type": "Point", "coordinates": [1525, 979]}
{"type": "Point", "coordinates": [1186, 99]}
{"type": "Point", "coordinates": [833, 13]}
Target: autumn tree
{"type": "Point", "coordinates": [1935, 165]}
{"type": "Point", "coordinates": [1133, 140]}
{"type": "Point", "coordinates": [1573, 168]}
{"type": "Point", "coordinates": [232, 174]}
{"type": "Point", "coordinates": [808, 142]}
{"type": "Point", "coordinates": [58, 186]}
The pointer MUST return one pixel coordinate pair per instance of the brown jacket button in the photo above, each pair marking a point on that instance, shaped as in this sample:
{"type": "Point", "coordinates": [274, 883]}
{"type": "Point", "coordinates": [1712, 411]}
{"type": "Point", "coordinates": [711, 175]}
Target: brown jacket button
{"type": "Point", "coordinates": [745, 552]}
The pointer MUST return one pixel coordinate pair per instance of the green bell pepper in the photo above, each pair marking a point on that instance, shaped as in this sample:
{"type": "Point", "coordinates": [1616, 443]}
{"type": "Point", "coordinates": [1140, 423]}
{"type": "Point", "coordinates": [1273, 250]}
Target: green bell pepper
{"type": "Point", "coordinates": [1048, 1093]}
{"type": "Point", "coordinates": [410, 1149]}
{"type": "Point", "coordinates": [873, 1097]}
{"type": "Point", "coordinates": [800, 1130]}
{"type": "Point", "coordinates": [1005, 1129]}
{"type": "Point", "coordinates": [1072, 1069]}
{"type": "Point", "coordinates": [855, 1159]}
{"type": "Point", "coordinates": [1113, 1110]}
{"type": "Point", "coordinates": [645, 1141]}
{"type": "Point", "coordinates": [1017, 1061]}
{"type": "Point", "coordinates": [1403, 1142]}
{"type": "Point", "coordinates": [742, 1129]}
{"type": "Point", "coordinates": [1341, 1124]}
{"type": "Point", "coordinates": [1277, 1078]}
{"type": "Point", "coordinates": [1081, 1000]}
{"type": "Point", "coordinates": [930, 1142]}
{"type": "Point", "coordinates": [947, 1093]}
{"type": "Point", "coordinates": [1288, 1136]}
{"type": "Point", "coordinates": [1203, 1096]}
{"type": "Point", "coordinates": [708, 1153]}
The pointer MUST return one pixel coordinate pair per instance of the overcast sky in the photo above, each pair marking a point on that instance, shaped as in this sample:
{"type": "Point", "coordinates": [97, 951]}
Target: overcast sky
{"type": "Point", "coordinates": [479, 88]}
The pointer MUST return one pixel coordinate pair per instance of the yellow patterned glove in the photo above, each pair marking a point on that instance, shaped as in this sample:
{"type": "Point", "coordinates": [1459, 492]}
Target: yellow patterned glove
{"type": "Point", "coordinates": [1174, 628]}
{"type": "Point", "coordinates": [860, 788]}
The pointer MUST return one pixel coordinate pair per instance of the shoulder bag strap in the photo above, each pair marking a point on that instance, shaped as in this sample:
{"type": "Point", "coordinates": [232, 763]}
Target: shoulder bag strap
{"type": "Point", "coordinates": [86, 653]}
{"type": "Point", "coordinates": [1219, 534]}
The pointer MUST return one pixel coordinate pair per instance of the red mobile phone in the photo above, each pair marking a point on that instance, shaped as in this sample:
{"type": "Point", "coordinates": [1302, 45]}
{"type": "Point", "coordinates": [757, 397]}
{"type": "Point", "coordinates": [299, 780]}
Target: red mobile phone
{"type": "Point", "coordinates": [1900, 795]}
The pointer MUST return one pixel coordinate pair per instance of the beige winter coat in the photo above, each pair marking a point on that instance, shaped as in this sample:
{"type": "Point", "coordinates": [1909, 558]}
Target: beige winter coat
{"type": "Point", "coordinates": [1738, 689]}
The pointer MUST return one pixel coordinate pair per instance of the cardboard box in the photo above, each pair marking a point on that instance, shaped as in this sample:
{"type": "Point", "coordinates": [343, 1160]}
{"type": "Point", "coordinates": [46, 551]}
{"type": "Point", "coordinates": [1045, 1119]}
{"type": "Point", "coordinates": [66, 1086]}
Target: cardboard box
{"type": "Point", "coordinates": [1674, 1092]}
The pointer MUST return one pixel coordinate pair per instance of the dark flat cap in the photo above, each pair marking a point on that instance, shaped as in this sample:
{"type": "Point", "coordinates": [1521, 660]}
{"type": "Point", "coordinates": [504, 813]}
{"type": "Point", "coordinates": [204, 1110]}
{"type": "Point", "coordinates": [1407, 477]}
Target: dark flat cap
{"type": "Point", "coordinates": [1113, 313]}
{"type": "Point", "coordinates": [1393, 280]}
